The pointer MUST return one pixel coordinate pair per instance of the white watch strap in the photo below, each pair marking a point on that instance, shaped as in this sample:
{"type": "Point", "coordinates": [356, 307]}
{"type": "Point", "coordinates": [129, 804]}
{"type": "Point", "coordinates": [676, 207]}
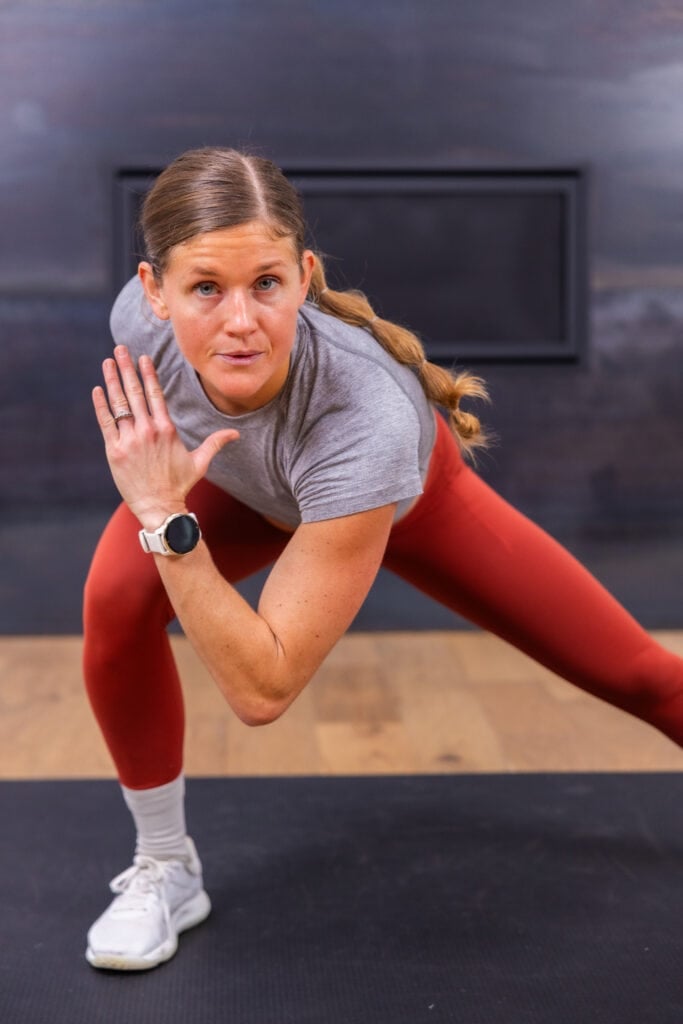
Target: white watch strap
{"type": "Point", "coordinates": [153, 543]}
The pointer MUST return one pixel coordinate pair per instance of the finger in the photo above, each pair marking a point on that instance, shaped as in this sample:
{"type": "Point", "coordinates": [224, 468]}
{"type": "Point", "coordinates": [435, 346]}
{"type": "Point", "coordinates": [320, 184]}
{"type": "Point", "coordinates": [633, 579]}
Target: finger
{"type": "Point", "coordinates": [116, 396]}
{"type": "Point", "coordinates": [210, 447]}
{"type": "Point", "coordinates": [131, 385]}
{"type": "Point", "coordinates": [153, 391]}
{"type": "Point", "coordinates": [104, 415]}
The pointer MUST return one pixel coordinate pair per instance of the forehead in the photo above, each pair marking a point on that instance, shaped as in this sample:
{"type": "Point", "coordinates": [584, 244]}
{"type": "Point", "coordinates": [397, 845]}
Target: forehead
{"type": "Point", "coordinates": [247, 245]}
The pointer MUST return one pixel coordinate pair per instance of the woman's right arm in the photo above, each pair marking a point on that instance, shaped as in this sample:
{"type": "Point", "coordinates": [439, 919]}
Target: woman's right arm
{"type": "Point", "coordinates": [260, 659]}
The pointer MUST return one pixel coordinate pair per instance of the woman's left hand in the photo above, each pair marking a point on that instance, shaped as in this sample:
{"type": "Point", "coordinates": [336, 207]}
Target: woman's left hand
{"type": "Point", "coordinates": [151, 466]}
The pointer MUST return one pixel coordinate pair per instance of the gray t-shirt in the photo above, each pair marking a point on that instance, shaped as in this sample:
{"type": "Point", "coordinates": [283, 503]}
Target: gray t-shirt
{"type": "Point", "coordinates": [350, 430]}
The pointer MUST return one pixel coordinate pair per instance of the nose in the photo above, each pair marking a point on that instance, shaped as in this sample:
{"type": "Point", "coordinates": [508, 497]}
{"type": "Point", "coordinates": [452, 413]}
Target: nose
{"type": "Point", "coordinates": [238, 314]}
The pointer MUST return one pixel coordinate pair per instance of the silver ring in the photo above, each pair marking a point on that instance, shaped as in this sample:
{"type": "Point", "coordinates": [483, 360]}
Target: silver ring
{"type": "Point", "coordinates": [125, 415]}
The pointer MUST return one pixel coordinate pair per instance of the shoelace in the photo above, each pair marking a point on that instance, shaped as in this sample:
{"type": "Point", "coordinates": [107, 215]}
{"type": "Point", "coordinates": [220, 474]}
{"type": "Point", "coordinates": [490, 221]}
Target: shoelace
{"type": "Point", "coordinates": [139, 883]}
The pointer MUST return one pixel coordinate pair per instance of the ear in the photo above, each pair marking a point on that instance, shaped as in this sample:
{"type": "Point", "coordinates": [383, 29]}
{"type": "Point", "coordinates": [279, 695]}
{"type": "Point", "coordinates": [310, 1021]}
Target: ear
{"type": "Point", "coordinates": [153, 291]}
{"type": "Point", "coordinates": [307, 265]}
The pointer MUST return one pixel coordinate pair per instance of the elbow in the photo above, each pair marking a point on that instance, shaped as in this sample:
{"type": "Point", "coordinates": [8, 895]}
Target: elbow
{"type": "Point", "coordinates": [262, 709]}
{"type": "Point", "coordinates": [256, 697]}
{"type": "Point", "coordinates": [261, 713]}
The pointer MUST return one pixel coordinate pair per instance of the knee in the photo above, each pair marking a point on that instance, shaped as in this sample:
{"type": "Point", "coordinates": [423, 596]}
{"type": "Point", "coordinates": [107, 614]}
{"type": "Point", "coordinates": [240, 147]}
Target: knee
{"type": "Point", "coordinates": [124, 615]}
{"type": "Point", "coordinates": [120, 595]}
{"type": "Point", "coordinates": [658, 686]}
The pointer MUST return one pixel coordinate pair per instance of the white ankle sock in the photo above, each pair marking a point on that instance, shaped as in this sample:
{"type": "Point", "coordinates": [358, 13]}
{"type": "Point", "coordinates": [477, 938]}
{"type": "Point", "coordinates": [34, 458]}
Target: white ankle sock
{"type": "Point", "coordinates": [159, 816]}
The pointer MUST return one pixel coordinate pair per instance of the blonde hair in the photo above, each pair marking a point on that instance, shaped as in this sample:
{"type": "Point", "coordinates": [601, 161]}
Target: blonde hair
{"type": "Point", "coordinates": [211, 188]}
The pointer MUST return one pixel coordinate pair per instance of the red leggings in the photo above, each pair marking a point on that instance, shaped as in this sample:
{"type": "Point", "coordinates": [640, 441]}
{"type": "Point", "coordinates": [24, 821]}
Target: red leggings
{"type": "Point", "coordinates": [461, 544]}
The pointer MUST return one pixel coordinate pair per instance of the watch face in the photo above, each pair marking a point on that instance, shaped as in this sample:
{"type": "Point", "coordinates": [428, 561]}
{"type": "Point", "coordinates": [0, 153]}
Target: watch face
{"type": "Point", "coordinates": [182, 534]}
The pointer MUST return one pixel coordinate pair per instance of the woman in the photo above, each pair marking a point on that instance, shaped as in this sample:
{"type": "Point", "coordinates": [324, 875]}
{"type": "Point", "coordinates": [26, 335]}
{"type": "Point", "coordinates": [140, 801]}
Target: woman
{"type": "Point", "coordinates": [271, 420]}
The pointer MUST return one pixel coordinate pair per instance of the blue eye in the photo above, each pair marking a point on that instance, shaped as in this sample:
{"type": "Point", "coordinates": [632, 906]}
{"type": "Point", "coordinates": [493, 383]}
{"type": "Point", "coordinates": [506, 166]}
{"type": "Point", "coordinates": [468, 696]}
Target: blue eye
{"type": "Point", "coordinates": [205, 289]}
{"type": "Point", "coordinates": [266, 284]}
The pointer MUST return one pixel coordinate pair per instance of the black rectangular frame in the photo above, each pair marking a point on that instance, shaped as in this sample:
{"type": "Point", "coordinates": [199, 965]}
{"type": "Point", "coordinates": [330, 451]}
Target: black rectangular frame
{"type": "Point", "coordinates": [566, 184]}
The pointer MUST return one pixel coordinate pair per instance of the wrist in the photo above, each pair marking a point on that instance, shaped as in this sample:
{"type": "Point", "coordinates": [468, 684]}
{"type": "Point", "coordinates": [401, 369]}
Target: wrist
{"type": "Point", "coordinates": [177, 535]}
{"type": "Point", "coordinates": [152, 518]}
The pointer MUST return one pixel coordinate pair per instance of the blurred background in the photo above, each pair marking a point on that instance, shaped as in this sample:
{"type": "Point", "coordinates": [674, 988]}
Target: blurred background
{"type": "Point", "coordinates": [590, 435]}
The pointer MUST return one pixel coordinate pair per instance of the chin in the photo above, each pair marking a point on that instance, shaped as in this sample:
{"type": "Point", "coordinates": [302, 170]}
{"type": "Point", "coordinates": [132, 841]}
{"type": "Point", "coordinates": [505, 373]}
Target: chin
{"type": "Point", "coordinates": [246, 401]}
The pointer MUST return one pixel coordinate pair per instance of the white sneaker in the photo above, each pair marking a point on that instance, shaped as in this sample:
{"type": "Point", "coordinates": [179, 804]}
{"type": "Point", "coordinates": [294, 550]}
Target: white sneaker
{"type": "Point", "coordinates": [157, 899]}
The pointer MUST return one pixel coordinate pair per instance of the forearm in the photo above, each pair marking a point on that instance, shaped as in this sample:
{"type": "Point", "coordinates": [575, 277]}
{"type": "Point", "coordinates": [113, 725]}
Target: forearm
{"type": "Point", "coordinates": [259, 659]}
{"type": "Point", "coordinates": [236, 643]}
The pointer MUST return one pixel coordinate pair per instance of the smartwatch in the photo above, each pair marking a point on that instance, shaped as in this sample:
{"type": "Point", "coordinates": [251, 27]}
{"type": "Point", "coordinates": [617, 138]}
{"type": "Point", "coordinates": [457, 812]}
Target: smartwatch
{"type": "Point", "coordinates": [178, 535]}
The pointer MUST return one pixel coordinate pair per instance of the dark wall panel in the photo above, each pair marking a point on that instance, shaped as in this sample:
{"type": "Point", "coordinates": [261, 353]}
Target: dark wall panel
{"type": "Point", "coordinates": [591, 451]}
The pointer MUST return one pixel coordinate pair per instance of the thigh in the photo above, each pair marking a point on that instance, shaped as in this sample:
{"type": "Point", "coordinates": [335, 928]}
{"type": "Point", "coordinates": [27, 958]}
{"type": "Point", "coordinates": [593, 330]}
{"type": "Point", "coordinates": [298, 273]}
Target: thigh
{"type": "Point", "coordinates": [470, 550]}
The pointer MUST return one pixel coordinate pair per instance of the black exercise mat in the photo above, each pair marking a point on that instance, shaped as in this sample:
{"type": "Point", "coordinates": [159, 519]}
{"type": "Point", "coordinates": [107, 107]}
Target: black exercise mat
{"type": "Point", "coordinates": [478, 899]}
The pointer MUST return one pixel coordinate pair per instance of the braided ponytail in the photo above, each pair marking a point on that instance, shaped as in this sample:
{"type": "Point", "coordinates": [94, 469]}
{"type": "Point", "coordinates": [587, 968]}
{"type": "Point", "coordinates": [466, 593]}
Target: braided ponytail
{"type": "Point", "coordinates": [439, 385]}
{"type": "Point", "coordinates": [212, 188]}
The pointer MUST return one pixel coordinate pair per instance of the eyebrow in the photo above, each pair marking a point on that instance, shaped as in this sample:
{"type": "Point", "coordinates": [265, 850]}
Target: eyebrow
{"type": "Point", "coordinates": [203, 271]}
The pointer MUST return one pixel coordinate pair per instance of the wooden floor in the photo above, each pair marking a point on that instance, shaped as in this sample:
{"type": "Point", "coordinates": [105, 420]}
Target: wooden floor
{"type": "Point", "coordinates": [383, 703]}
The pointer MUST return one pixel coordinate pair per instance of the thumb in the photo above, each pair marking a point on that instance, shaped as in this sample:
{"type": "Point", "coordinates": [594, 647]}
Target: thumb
{"type": "Point", "coordinates": [211, 446]}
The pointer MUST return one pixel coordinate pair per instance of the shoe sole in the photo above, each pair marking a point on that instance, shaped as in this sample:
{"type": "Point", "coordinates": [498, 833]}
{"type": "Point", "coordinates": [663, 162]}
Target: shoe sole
{"type": "Point", "coordinates": [188, 915]}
